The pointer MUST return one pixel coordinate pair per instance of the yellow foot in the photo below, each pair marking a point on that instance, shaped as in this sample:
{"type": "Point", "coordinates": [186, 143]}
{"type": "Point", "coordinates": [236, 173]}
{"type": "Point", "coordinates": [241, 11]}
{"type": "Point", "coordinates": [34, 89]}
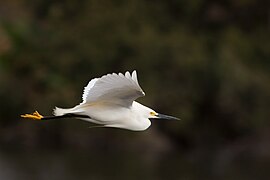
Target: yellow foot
{"type": "Point", "coordinates": [34, 116]}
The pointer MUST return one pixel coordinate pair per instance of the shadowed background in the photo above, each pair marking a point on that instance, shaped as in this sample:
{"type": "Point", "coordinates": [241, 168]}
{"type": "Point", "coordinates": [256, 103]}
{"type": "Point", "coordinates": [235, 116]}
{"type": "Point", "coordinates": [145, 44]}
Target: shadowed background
{"type": "Point", "coordinates": [203, 61]}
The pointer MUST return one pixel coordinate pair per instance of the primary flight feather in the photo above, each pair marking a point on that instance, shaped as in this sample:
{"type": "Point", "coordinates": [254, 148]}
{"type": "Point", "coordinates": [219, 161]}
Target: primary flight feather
{"type": "Point", "coordinates": [110, 102]}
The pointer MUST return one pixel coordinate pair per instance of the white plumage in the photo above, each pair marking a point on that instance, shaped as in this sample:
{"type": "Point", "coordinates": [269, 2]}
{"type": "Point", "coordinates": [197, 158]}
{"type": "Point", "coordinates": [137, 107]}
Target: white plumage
{"type": "Point", "coordinates": [109, 101]}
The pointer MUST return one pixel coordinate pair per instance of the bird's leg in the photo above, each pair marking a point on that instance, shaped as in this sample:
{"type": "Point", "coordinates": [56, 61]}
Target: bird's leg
{"type": "Point", "coordinates": [37, 116]}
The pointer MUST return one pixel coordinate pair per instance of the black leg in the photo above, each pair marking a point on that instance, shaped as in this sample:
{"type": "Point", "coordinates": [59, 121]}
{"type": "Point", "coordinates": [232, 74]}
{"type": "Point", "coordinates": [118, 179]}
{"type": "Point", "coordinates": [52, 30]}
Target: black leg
{"type": "Point", "coordinates": [65, 116]}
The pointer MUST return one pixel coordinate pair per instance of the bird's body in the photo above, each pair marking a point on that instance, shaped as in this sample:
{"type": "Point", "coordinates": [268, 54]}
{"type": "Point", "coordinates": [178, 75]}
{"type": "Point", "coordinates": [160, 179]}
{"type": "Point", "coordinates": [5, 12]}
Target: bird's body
{"type": "Point", "coordinates": [110, 115]}
{"type": "Point", "coordinates": [110, 102]}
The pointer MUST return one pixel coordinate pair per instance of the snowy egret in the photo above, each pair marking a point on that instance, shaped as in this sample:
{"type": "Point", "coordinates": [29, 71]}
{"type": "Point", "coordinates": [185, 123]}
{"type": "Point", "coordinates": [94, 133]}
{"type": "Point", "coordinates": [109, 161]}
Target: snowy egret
{"type": "Point", "coordinates": [110, 102]}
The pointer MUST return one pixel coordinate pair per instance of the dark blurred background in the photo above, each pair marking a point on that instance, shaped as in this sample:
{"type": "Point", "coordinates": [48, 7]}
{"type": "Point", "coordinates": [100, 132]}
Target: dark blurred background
{"type": "Point", "coordinates": [207, 62]}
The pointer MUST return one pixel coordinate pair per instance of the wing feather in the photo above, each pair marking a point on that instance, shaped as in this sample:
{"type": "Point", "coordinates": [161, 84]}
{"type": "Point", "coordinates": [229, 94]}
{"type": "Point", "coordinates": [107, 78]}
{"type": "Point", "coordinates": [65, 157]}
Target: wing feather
{"type": "Point", "coordinates": [116, 88]}
{"type": "Point", "coordinates": [88, 88]}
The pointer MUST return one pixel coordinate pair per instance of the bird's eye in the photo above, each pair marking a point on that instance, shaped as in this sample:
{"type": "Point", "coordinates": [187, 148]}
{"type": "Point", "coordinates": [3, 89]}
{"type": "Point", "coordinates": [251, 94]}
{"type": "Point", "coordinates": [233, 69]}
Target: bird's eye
{"type": "Point", "coordinates": [153, 113]}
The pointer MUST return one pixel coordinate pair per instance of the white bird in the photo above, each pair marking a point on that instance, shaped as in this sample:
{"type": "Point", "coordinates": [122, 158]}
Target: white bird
{"type": "Point", "coordinates": [110, 102]}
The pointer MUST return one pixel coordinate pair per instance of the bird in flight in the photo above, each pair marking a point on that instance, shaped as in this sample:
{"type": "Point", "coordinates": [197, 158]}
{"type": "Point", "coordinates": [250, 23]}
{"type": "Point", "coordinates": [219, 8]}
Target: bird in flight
{"type": "Point", "coordinates": [109, 101]}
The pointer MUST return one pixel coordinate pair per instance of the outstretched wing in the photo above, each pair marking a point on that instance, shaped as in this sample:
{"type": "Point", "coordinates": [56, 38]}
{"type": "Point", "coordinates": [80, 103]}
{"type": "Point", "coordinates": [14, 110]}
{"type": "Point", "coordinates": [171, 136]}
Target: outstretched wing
{"type": "Point", "coordinates": [115, 88]}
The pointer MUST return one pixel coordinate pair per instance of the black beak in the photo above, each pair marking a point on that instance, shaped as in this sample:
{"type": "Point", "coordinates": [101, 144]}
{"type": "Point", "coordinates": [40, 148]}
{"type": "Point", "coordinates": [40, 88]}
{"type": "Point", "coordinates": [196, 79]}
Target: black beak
{"type": "Point", "coordinates": [162, 116]}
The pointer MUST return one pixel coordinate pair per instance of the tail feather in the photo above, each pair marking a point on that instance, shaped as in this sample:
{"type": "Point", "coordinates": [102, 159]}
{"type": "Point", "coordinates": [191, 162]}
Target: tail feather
{"type": "Point", "coordinates": [60, 111]}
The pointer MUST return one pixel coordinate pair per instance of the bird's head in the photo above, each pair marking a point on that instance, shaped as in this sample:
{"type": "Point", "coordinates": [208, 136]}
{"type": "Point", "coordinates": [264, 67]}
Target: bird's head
{"type": "Point", "coordinates": [149, 113]}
